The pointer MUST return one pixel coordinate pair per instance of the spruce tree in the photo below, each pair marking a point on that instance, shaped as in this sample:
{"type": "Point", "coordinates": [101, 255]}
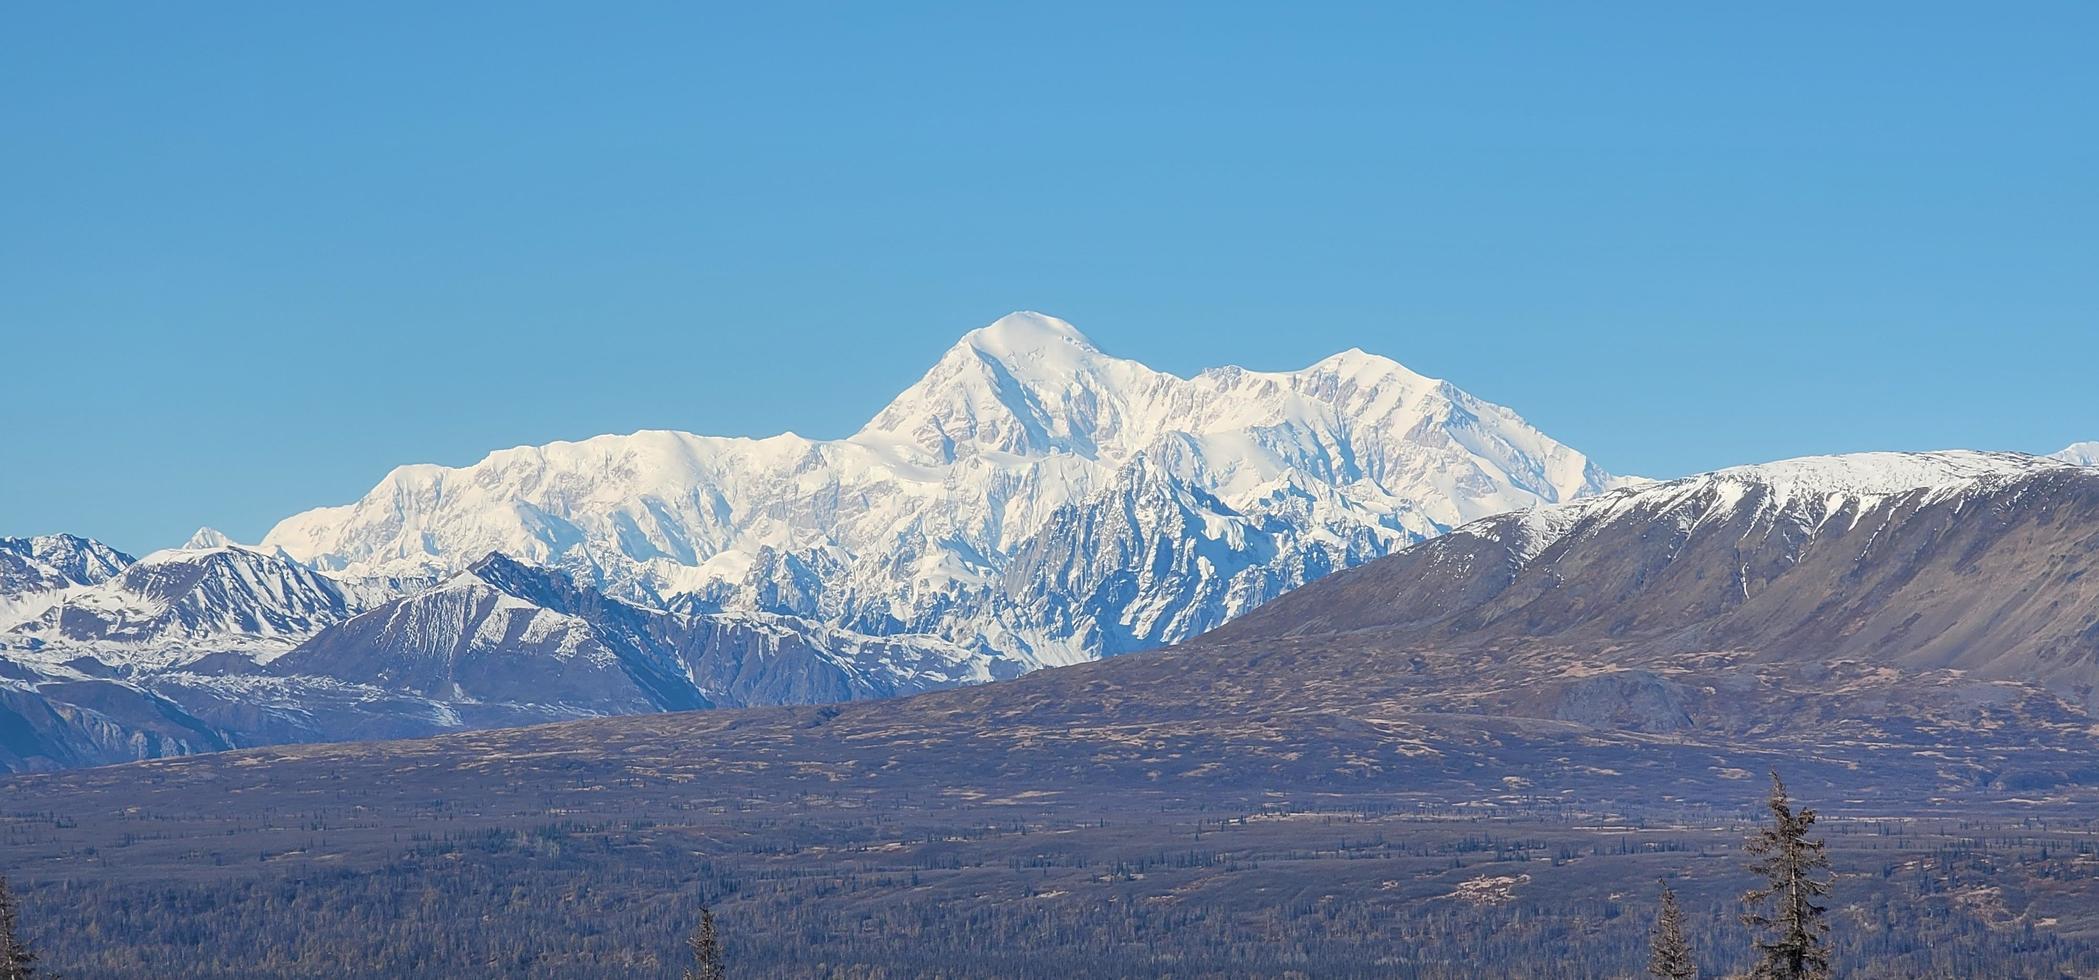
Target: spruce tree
{"type": "Point", "coordinates": [1795, 872]}
{"type": "Point", "coordinates": [706, 947]}
{"type": "Point", "coordinates": [16, 961]}
{"type": "Point", "coordinates": [1669, 953]}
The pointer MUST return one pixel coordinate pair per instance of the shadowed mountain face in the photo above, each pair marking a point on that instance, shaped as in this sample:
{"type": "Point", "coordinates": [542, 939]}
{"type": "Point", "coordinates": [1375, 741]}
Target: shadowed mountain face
{"type": "Point", "coordinates": [509, 633]}
{"type": "Point", "coordinates": [1986, 580]}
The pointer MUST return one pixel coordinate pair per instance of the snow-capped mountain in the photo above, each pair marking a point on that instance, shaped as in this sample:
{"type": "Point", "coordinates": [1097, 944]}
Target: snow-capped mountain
{"type": "Point", "coordinates": [1919, 560]}
{"type": "Point", "coordinates": [1030, 501]}
{"type": "Point", "coordinates": [55, 561]}
{"type": "Point", "coordinates": [207, 537]}
{"type": "Point", "coordinates": [200, 649]}
{"type": "Point", "coordinates": [2081, 453]}
{"type": "Point", "coordinates": [507, 642]}
{"type": "Point", "coordinates": [179, 604]}
{"type": "Point", "coordinates": [468, 640]}
{"type": "Point", "coordinates": [1031, 498]}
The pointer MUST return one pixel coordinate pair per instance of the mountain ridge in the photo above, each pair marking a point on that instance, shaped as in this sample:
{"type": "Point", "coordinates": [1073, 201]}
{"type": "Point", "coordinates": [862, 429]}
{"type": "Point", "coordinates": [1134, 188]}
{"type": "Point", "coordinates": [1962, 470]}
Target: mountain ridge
{"type": "Point", "coordinates": [1698, 568]}
{"type": "Point", "coordinates": [913, 524]}
{"type": "Point", "coordinates": [1955, 564]}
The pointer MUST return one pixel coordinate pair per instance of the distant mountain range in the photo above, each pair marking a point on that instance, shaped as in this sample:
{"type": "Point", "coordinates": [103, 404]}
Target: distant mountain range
{"type": "Point", "coordinates": [1905, 626]}
{"type": "Point", "coordinates": [56, 561]}
{"type": "Point", "coordinates": [1031, 501]}
{"type": "Point", "coordinates": [1421, 673]}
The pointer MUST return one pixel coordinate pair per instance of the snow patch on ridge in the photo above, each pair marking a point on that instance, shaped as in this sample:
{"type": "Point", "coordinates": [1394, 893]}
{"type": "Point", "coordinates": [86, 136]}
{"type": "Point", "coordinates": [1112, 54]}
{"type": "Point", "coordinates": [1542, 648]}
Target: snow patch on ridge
{"type": "Point", "coordinates": [1882, 473]}
{"type": "Point", "coordinates": [1808, 491]}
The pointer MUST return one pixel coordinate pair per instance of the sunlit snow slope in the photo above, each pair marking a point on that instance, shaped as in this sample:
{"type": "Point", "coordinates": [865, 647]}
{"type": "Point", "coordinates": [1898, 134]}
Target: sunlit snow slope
{"type": "Point", "coordinates": [2081, 453]}
{"type": "Point", "coordinates": [1030, 497]}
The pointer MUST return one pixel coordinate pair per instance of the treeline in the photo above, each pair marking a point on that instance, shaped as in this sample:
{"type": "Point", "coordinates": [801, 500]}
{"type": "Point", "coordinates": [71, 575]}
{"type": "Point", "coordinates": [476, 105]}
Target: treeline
{"type": "Point", "coordinates": [555, 903]}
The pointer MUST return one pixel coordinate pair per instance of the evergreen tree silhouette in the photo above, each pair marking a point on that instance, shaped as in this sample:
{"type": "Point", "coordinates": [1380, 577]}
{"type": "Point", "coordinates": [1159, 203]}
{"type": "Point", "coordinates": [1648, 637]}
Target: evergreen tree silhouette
{"type": "Point", "coordinates": [706, 947]}
{"type": "Point", "coordinates": [1795, 872]}
{"type": "Point", "coordinates": [1669, 953]}
{"type": "Point", "coordinates": [16, 960]}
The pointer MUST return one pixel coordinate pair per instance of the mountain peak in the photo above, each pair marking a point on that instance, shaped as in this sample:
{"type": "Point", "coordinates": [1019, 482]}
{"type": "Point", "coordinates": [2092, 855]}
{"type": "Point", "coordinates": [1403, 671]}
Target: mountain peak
{"type": "Point", "coordinates": [1027, 384]}
{"type": "Point", "coordinates": [50, 561]}
{"type": "Point", "coordinates": [991, 503]}
{"type": "Point", "coordinates": [1024, 334]}
{"type": "Point", "coordinates": [521, 579]}
{"type": "Point", "coordinates": [206, 537]}
{"type": "Point", "coordinates": [496, 563]}
{"type": "Point", "coordinates": [1357, 364]}
{"type": "Point", "coordinates": [547, 588]}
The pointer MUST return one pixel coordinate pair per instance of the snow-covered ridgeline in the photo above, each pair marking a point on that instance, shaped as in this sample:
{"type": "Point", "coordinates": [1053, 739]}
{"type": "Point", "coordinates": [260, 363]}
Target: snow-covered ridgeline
{"type": "Point", "coordinates": [180, 603]}
{"type": "Point", "coordinates": [1805, 492]}
{"type": "Point", "coordinates": [1030, 496]}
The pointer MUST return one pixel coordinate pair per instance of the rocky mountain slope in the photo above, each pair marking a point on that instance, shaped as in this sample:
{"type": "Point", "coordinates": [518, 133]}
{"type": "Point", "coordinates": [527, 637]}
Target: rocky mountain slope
{"type": "Point", "coordinates": [1881, 595]}
{"type": "Point", "coordinates": [1030, 497]}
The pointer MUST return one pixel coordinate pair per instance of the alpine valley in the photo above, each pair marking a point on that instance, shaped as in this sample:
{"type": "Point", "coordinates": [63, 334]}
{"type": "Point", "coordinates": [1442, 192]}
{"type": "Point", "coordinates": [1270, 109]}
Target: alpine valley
{"type": "Point", "coordinates": [1030, 502]}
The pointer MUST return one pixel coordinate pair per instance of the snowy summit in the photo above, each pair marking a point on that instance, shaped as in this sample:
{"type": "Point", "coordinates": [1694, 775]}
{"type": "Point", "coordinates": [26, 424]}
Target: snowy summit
{"type": "Point", "coordinates": [1031, 496]}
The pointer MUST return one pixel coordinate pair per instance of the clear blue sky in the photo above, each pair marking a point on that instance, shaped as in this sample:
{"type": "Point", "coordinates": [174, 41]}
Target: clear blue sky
{"type": "Point", "coordinates": [252, 256]}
